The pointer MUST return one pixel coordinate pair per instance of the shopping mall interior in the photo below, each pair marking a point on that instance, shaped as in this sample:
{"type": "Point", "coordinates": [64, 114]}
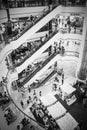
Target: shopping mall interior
{"type": "Point", "coordinates": [43, 65]}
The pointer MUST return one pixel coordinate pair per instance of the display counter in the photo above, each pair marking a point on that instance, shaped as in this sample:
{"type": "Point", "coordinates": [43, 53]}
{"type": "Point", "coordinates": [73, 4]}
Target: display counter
{"type": "Point", "coordinates": [68, 93]}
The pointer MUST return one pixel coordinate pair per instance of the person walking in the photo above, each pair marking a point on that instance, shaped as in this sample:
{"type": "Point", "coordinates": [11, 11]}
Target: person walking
{"type": "Point", "coordinates": [22, 104]}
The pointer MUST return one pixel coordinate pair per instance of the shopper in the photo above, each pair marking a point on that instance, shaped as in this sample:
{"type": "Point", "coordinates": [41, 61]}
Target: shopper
{"type": "Point", "coordinates": [22, 104]}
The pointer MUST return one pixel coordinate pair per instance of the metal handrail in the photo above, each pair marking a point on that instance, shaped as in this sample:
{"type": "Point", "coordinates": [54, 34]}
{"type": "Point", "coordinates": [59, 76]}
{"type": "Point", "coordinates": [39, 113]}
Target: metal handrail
{"type": "Point", "coordinates": [19, 108]}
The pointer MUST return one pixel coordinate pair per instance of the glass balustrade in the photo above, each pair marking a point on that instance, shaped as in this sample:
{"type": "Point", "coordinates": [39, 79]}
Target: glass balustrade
{"type": "Point", "coordinates": [17, 111]}
{"type": "Point", "coordinates": [28, 75]}
{"type": "Point", "coordinates": [18, 57]}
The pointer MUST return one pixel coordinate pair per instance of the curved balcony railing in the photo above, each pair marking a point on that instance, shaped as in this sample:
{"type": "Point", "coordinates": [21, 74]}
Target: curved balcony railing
{"type": "Point", "coordinates": [72, 53]}
{"type": "Point", "coordinates": [38, 124]}
{"type": "Point", "coordinates": [26, 115]}
{"type": "Point", "coordinates": [6, 55]}
{"type": "Point", "coordinates": [42, 82]}
{"type": "Point", "coordinates": [16, 105]}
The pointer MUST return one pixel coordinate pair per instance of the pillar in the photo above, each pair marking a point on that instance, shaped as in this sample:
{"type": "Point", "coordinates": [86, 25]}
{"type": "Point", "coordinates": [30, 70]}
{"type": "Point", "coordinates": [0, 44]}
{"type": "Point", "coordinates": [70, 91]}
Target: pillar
{"type": "Point", "coordinates": [82, 62]}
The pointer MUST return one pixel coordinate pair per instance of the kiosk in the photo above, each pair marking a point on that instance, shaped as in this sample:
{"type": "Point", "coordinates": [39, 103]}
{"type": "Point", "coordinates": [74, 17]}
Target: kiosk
{"type": "Point", "coordinates": [68, 94]}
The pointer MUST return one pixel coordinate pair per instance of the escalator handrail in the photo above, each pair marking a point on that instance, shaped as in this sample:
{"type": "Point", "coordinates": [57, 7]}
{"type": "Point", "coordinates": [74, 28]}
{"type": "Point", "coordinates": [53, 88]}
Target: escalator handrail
{"type": "Point", "coordinates": [38, 69]}
{"type": "Point", "coordinates": [19, 108]}
{"type": "Point", "coordinates": [43, 81]}
{"type": "Point", "coordinates": [43, 64]}
{"type": "Point", "coordinates": [29, 26]}
{"type": "Point", "coordinates": [6, 55]}
{"type": "Point", "coordinates": [43, 43]}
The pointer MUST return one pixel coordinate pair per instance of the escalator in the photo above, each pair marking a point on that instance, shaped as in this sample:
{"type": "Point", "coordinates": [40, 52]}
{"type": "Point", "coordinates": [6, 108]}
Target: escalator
{"type": "Point", "coordinates": [29, 31]}
{"type": "Point", "coordinates": [43, 81]}
{"type": "Point", "coordinates": [38, 50]}
{"type": "Point", "coordinates": [40, 65]}
{"type": "Point", "coordinates": [31, 49]}
{"type": "Point", "coordinates": [43, 66]}
{"type": "Point", "coordinates": [41, 70]}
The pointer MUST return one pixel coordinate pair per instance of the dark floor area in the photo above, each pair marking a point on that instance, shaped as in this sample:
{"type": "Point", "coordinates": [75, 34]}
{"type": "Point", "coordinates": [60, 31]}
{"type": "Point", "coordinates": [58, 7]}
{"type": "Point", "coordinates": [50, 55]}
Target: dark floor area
{"type": "Point", "coordinates": [77, 110]}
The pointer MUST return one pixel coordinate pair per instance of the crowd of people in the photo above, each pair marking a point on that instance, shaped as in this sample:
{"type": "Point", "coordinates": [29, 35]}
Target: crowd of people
{"type": "Point", "coordinates": [9, 115]}
{"type": "Point", "coordinates": [4, 97]}
{"type": "Point", "coordinates": [4, 100]}
{"type": "Point", "coordinates": [10, 112]}
{"type": "Point", "coordinates": [32, 95]}
{"type": "Point", "coordinates": [72, 23]}
{"type": "Point", "coordinates": [26, 124]}
{"type": "Point", "coordinates": [43, 116]}
{"type": "Point", "coordinates": [30, 98]}
{"type": "Point", "coordinates": [16, 29]}
{"type": "Point", "coordinates": [39, 110]}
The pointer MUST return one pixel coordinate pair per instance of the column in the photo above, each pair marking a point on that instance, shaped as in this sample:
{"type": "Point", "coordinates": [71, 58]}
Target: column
{"type": "Point", "coordinates": [80, 72]}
